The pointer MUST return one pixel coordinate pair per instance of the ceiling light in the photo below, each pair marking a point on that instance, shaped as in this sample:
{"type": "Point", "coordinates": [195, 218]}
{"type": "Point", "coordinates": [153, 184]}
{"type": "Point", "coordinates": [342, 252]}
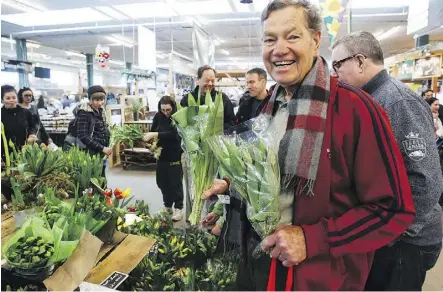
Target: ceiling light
{"type": "Point", "coordinates": [115, 62]}
{"type": "Point", "coordinates": [9, 41]}
{"type": "Point", "coordinates": [161, 56]}
{"type": "Point", "coordinates": [225, 52]}
{"type": "Point", "coordinates": [32, 45]}
{"type": "Point", "coordinates": [23, 6]}
{"type": "Point", "coordinates": [56, 17]}
{"type": "Point", "coordinates": [386, 34]}
{"type": "Point", "coordinates": [112, 12]}
{"type": "Point", "coordinates": [74, 54]}
{"type": "Point", "coordinates": [119, 41]}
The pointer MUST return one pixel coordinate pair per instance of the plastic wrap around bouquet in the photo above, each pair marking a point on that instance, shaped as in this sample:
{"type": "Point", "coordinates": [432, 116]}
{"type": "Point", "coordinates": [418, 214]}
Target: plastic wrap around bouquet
{"type": "Point", "coordinates": [35, 248]}
{"type": "Point", "coordinates": [195, 124]}
{"type": "Point", "coordinates": [248, 157]}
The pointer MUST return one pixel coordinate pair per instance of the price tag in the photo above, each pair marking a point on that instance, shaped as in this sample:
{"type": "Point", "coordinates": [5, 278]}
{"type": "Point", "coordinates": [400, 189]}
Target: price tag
{"type": "Point", "coordinates": [224, 199]}
{"type": "Point", "coordinates": [114, 280]}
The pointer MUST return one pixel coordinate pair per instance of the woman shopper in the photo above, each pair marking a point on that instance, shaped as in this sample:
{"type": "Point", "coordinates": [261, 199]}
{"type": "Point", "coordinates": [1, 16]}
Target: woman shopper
{"type": "Point", "coordinates": [25, 99]}
{"type": "Point", "coordinates": [92, 128]}
{"type": "Point", "coordinates": [17, 121]}
{"type": "Point", "coordinates": [169, 173]}
{"type": "Point", "coordinates": [434, 103]}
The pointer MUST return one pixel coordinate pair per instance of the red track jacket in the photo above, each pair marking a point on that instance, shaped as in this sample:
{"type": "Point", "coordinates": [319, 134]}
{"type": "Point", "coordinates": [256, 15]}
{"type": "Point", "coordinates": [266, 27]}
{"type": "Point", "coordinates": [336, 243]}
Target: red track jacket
{"type": "Point", "coordinates": [362, 198]}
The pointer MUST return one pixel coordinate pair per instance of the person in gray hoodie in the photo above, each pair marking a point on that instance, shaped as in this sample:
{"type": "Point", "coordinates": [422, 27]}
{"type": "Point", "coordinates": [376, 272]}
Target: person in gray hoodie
{"type": "Point", "coordinates": [402, 265]}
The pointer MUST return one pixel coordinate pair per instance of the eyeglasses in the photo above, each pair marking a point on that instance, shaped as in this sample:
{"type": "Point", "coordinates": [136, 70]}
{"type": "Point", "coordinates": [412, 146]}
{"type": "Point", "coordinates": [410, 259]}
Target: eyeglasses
{"type": "Point", "coordinates": [337, 64]}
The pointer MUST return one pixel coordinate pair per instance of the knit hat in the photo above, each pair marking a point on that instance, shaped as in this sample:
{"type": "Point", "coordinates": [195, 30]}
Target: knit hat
{"type": "Point", "coordinates": [96, 90]}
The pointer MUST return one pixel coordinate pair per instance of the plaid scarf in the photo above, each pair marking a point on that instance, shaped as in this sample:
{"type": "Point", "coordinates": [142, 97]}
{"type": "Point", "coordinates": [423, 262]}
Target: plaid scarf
{"type": "Point", "coordinates": [301, 145]}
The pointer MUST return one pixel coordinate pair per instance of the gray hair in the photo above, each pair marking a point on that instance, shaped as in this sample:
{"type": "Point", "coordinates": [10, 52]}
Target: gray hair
{"type": "Point", "coordinates": [362, 42]}
{"type": "Point", "coordinates": [312, 13]}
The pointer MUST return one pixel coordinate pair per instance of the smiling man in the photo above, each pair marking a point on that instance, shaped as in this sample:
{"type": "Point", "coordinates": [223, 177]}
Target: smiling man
{"type": "Point", "coordinates": [206, 83]}
{"type": "Point", "coordinates": [401, 265]}
{"type": "Point", "coordinates": [344, 189]}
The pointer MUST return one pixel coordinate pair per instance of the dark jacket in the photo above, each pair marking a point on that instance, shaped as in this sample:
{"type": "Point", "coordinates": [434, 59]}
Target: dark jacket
{"type": "Point", "coordinates": [440, 112]}
{"type": "Point", "coordinates": [18, 124]}
{"type": "Point", "coordinates": [40, 129]}
{"type": "Point", "coordinates": [362, 198]}
{"type": "Point", "coordinates": [168, 138]}
{"type": "Point", "coordinates": [411, 120]}
{"type": "Point", "coordinates": [98, 138]}
{"type": "Point", "coordinates": [245, 113]}
{"type": "Point", "coordinates": [229, 116]}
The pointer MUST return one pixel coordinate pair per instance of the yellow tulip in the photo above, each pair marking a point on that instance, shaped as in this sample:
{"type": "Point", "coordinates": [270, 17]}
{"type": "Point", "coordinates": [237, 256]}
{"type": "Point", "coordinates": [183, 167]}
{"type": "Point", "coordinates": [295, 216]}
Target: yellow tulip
{"type": "Point", "coordinates": [126, 193]}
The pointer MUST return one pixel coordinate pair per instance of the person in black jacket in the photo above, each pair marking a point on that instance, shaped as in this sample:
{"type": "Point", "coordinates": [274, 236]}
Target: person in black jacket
{"type": "Point", "coordinates": [92, 128]}
{"type": "Point", "coordinates": [258, 96]}
{"type": "Point", "coordinates": [17, 122]}
{"type": "Point", "coordinates": [428, 94]}
{"type": "Point", "coordinates": [206, 82]}
{"type": "Point", "coordinates": [25, 99]}
{"type": "Point", "coordinates": [169, 174]}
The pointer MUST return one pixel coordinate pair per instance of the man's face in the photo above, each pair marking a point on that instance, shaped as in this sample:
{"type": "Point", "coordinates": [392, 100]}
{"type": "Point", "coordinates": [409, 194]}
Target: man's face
{"type": "Point", "coordinates": [207, 82]}
{"type": "Point", "coordinates": [429, 94]}
{"type": "Point", "coordinates": [289, 47]}
{"type": "Point", "coordinates": [255, 84]}
{"type": "Point", "coordinates": [346, 67]}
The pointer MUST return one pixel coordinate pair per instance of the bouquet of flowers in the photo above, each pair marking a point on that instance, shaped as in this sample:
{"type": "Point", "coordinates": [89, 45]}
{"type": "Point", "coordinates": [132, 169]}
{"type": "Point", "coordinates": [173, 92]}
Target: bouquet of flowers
{"type": "Point", "coordinates": [248, 157]}
{"type": "Point", "coordinates": [195, 123]}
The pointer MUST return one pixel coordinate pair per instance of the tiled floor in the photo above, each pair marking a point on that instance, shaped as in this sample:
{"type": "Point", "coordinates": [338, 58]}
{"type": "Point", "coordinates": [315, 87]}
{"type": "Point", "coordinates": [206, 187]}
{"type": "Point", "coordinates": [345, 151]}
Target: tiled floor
{"type": "Point", "coordinates": [144, 187]}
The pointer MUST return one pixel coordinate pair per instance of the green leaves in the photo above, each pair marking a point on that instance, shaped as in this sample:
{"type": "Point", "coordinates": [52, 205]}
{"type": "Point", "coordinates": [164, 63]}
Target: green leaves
{"type": "Point", "coordinates": [194, 124]}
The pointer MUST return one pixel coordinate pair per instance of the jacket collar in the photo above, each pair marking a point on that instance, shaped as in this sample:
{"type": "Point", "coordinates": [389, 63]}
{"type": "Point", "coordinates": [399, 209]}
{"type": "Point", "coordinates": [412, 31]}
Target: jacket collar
{"type": "Point", "coordinates": [375, 83]}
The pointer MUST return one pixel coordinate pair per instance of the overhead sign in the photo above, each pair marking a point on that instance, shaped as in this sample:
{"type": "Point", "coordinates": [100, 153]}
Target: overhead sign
{"type": "Point", "coordinates": [147, 57]}
{"type": "Point", "coordinates": [16, 66]}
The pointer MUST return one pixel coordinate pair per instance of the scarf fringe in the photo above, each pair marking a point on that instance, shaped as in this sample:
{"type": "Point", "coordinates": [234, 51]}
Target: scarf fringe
{"type": "Point", "coordinates": [302, 186]}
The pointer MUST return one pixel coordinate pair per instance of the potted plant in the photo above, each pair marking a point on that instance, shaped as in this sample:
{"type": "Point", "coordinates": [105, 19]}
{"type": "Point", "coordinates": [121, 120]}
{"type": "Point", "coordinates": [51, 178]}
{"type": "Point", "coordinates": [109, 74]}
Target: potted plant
{"type": "Point", "coordinates": [136, 109]}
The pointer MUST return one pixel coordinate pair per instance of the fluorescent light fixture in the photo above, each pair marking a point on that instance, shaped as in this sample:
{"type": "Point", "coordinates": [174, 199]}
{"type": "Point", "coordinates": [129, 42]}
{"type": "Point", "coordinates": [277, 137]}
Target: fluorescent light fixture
{"type": "Point", "coordinates": [74, 54]}
{"type": "Point", "coordinates": [146, 10]}
{"type": "Point", "coordinates": [118, 40]}
{"type": "Point", "coordinates": [112, 12]}
{"type": "Point", "coordinates": [224, 52]}
{"type": "Point", "coordinates": [32, 45]}
{"type": "Point", "coordinates": [115, 62]}
{"type": "Point", "coordinates": [161, 56]}
{"type": "Point", "coordinates": [38, 55]}
{"type": "Point", "coordinates": [203, 7]}
{"type": "Point", "coordinates": [388, 33]}
{"type": "Point", "coordinates": [28, 44]}
{"type": "Point", "coordinates": [56, 17]}
{"type": "Point", "coordinates": [9, 41]}
{"type": "Point", "coordinates": [24, 6]}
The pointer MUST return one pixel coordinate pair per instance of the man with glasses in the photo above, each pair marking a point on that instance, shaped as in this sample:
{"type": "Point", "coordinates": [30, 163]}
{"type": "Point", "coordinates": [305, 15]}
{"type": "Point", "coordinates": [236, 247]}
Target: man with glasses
{"type": "Point", "coordinates": [402, 265]}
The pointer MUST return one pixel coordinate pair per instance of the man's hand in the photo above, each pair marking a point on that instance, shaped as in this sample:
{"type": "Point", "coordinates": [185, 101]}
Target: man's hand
{"type": "Point", "coordinates": [149, 136]}
{"type": "Point", "coordinates": [107, 151]}
{"type": "Point", "coordinates": [216, 230]}
{"type": "Point", "coordinates": [219, 186]}
{"type": "Point", "coordinates": [32, 138]}
{"type": "Point", "coordinates": [209, 219]}
{"type": "Point", "coordinates": [288, 245]}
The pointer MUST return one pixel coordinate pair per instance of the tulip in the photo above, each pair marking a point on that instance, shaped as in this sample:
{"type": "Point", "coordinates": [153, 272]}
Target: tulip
{"type": "Point", "coordinates": [126, 193]}
{"type": "Point", "coordinates": [108, 193]}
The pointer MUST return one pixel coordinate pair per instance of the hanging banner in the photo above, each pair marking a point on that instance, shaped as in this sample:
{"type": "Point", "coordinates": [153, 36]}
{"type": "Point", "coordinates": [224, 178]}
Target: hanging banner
{"type": "Point", "coordinates": [147, 59]}
{"type": "Point", "coordinates": [203, 47]}
{"type": "Point", "coordinates": [332, 12]}
{"type": "Point", "coordinates": [102, 56]}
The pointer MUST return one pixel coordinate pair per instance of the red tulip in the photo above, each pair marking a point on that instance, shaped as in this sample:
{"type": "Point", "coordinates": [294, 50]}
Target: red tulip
{"type": "Point", "coordinates": [108, 193]}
